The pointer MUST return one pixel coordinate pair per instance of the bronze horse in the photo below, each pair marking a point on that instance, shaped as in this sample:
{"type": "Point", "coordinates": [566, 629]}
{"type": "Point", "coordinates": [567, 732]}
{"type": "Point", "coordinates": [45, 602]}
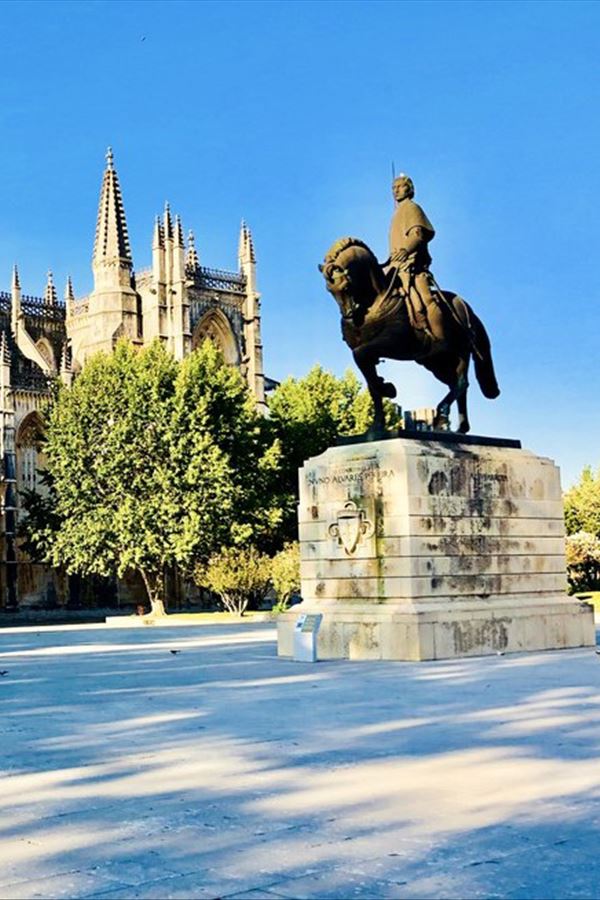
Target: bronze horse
{"type": "Point", "coordinates": [376, 325]}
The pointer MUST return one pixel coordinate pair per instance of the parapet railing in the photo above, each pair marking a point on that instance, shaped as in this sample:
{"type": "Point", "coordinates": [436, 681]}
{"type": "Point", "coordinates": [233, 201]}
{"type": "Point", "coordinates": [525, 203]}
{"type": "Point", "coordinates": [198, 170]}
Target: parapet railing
{"type": "Point", "coordinates": [219, 280]}
{"type": "Point", "coordinates": [211, 279]}
{"type": "Point", "coordinates": [35, 306]}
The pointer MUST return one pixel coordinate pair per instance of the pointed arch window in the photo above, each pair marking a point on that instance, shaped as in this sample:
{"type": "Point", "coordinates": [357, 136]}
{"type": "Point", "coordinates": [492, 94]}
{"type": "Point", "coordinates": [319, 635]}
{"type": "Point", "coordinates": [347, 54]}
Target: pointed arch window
{"type": "Point", "coordinates": [215, 326]}
{"type": "Point", "coordinates": [29, 454]}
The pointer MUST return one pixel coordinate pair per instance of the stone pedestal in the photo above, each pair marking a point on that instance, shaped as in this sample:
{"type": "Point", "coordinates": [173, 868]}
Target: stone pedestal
{"type": "Point", "coordinates": [426, 549]}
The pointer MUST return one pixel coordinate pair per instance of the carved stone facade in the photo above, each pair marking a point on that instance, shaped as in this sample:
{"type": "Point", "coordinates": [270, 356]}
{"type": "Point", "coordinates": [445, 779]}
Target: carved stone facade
{"type": "Point", "coordinates": [176, 300]}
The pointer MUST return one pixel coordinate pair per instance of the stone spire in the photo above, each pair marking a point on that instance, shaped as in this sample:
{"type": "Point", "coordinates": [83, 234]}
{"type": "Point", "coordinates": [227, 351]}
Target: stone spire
{"type": "Point", "coordinates": [178, 301]}
{"type": "Point", "coordinates": [246, 246]}
{"type": "Point", "coordinates": [253, 361]}
{"type": "Point", "coordinates": [158, 258]}
{"type": "Point", "coordinates": [168, 228]}
{"type": "Point", "coordinates": [242, 242]}
{"type": "Point", "coordinates": [178, 234]}
{"type": "Point", "coordinates": [66, 364]}
{"type": "Point", "coordinates": [16, 300]}
{"type": "Point", "coordinates": [192, 262]}
{"type": "Point", "coordinates": [158, 237]}
{"type": "Point", "coordinates": [250, 246]}
{"type": "Point", "coordinates": [112, 241]}
{"type": "Point", "coordinates": [69, 296]}
{"type": "Point", "coordinates": [178, 271]}
{"type": "Point", "coordinates": [50, 291]}
{"type": "Point", "coordinates": [113, 309]}
{"type": "Point", "coordinates": [168, 237]}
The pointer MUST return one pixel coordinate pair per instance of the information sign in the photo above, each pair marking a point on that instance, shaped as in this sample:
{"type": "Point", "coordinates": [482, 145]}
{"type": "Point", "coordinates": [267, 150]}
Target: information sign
{"type": "Point", "coordinates": [305, 637]}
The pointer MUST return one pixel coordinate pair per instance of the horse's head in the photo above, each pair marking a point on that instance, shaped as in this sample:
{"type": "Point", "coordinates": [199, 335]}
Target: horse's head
{"type": "Point", "coordinates": [352, 277]}
{"type": "Point", "coordinates": [338, 283]}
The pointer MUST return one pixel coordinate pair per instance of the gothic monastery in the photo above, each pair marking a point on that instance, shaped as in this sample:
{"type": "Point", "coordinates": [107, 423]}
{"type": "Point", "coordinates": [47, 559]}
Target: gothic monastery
{"type": "Point", "coordinates": [41, 338]}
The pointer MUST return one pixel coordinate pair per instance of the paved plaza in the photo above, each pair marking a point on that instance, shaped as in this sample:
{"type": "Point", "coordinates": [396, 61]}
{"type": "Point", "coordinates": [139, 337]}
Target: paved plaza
{"type": "Point", "coordinates": [192, 762]}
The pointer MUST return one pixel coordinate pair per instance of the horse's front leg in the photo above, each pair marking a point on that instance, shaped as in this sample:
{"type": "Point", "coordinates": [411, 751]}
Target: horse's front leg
{"type": "Point", "coordinates": [367, 359]}
{"type": "Point", "coordinates": [458, 393]}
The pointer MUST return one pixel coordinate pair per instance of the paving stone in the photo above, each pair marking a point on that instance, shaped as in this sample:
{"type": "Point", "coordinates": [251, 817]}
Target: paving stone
{"type": "Point", "coordinates": [66, 884]}
{"type": "Point", "coordinates": [193, 886]}
{"type": "Point", "coordinates": [253, 895]}
{"type": "Point", "coordinates": [338, 884]}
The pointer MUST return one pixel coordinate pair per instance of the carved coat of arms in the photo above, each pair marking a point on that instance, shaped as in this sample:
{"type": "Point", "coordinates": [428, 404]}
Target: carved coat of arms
{"type": "Point", "coordinates": [350, 527]}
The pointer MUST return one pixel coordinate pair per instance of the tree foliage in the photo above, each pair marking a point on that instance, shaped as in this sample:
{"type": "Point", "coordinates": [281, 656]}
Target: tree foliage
{"type": "Point", "coordinates": [582, 504]}
{"type": "Point", "coordinates": [154, 463]}
{"type": "Point", "coordinates": [238, 575]}
{"type": "Point", "coordinates": [285, 574]}
{"type": "Point", "coordinates": [307, 415]}
{"type": "Point", "coordinates": [583, 561]}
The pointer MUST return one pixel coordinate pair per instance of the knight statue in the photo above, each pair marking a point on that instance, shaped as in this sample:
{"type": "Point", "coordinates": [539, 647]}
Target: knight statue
{"type": "Point", "coordinates": [395, 310]}
{"type": "Point", "coordinates": [409, 260]}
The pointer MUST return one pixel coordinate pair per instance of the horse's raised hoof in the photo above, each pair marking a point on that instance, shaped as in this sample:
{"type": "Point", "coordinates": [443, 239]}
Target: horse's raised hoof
{"type": "Point", "coordinates": [388, 390]}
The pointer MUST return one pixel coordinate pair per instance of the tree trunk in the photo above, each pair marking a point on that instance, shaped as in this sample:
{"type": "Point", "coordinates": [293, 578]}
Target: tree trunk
{"type": "Point", "coordinates": [158, 607]}
{"type": "Point", "coordinates": [154, 587]}
{"type": "Point", "coordinates": [235, 603]}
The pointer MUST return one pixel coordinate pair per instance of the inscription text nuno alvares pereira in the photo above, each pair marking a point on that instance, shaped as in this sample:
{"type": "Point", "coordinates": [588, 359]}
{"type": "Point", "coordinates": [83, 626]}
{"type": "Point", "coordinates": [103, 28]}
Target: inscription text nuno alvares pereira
{"type": "Point", "coordinates": [350, 476]}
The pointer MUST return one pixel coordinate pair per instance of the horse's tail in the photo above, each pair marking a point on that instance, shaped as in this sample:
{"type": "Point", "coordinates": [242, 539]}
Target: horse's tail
{"type": "Point", "coordinates": [482, 357]}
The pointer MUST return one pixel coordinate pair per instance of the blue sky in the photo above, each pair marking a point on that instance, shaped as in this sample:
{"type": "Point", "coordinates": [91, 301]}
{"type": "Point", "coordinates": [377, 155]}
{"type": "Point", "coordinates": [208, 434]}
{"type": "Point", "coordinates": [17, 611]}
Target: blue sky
{"type": "Point", "coordinates": [289, 114]}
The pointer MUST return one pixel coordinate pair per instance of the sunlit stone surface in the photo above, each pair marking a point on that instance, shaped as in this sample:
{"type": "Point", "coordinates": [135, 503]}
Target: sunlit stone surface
{"type": "Point", "coordinates": [423, 550]}
{"type": "Point", "coordinates": [222, 771]}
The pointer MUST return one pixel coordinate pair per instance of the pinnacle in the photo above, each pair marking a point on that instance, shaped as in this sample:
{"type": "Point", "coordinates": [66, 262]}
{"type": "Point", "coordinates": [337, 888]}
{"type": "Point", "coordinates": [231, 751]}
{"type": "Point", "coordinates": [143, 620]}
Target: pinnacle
{"type": "Point", "coordinates": [242, 241]}
{"type": "Point", "coordinates": [50, 292]}
{"type": "Point", "coordinates": [158, 238]}
{"type": "Point", "coordinates": [250, 244]}
{"type": "Point", "coordinates": [168, 222]}
{"type": "Point", "coordinates": [192, 262]}
{"type": "Point", "coordinates": [15, 278]}
{"type": "Point", "coordinates": [112, 239]}
{"type": "Point", "coordinates": [69, 295]}
{"type": "Point", "coordinates": [66, 358]}
{"type": "Point", "coordinates": [178, 232]}
{"type": "Point", "coordinates": [246, 245]}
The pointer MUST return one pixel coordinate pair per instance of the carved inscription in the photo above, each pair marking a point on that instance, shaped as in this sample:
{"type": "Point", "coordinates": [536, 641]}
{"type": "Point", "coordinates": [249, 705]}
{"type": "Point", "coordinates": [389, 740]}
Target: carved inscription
{"type": "Point", "coordinates": [349, 476]}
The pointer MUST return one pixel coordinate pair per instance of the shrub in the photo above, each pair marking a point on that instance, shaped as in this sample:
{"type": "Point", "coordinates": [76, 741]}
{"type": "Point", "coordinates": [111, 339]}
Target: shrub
{"type": "Point", "coordinates": [285, 575]}
{"type": "Point", "coordinates": [583, 561]}
{"type": "Point", "coordinates": [238, 575]}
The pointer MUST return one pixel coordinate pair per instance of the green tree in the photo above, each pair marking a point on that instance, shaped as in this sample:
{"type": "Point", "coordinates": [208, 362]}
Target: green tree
{"type": "Point", "coordinates": [583, 561]}
{"type": "Point", "coordinates": [582, 504]}
{"type": "Point", "coordinates": [154, 463]}
{"type": "Point", "coordinates": [307, 415]}
{"type": "Point", "coordinates": [239, 575]}
{"type": "Point", "coordinates": [285, 574]}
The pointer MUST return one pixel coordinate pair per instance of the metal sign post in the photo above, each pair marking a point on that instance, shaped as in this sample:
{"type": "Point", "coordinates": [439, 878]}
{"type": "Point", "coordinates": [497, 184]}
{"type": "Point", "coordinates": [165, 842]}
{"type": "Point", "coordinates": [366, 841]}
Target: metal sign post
{"type": "Point", "coordinates": [305, 637]}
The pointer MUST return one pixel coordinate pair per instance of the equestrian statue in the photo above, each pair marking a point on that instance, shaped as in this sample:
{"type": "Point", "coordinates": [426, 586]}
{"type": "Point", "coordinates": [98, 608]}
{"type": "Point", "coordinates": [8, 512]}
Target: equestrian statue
{"type": "Point", "coordinates": [395, 310]}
